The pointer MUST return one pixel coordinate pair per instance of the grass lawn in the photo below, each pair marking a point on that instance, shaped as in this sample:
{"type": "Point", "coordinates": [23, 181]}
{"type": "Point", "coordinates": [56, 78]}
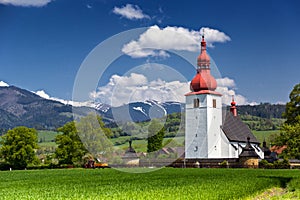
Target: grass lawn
{"type": "Point", "coordinates": [166, 183]}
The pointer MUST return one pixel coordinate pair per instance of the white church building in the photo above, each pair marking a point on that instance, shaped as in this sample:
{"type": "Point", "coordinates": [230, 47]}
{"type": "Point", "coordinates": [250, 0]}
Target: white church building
{"type": "Point", "coordinates": [210, 132]}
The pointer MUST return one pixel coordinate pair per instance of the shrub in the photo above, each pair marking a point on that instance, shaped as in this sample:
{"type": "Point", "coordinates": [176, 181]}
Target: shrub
{"type": "Point", "coordinates": [284, 164]}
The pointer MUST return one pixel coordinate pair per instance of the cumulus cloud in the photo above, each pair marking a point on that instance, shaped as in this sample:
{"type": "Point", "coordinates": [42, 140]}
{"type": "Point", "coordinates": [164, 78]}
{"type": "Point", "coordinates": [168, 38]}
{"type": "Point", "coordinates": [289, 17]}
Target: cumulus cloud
{"type": "Point", "coordinates": [225, 82]}
{"type": "Point", "coordinates": [26, 3]}
{"type": "Point", "coordinates": [3, 84]}
{"type": "Point", "coordinates": [136, 87]}
{"type": "Point", "coordinates": [213, 36]}
{"type": "Point", "coordinates": [130, 11]}
{"type": "Point", "coordinates": [155, 41]}
{"type": "Point", "coordinates": [226, 87]}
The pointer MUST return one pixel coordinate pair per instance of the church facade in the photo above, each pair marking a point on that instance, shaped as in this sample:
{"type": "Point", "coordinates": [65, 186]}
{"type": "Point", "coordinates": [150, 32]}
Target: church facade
{"type": "Point", "coordinates": [209, 131]}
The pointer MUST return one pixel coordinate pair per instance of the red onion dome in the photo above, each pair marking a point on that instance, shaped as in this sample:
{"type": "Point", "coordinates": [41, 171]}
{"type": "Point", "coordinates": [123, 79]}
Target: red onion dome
{"type": "Point", "coordinates": [233, 103]}
{"type": "Point", "coordinates": [203, 81]}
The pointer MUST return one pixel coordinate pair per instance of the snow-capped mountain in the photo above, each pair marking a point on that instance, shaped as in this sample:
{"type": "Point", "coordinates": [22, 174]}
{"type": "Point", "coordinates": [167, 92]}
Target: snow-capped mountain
{"type": "Point", "coordinates": [140, 111]}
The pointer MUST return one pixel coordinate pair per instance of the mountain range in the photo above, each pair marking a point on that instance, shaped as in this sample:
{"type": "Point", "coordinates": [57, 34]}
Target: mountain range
{"type": "Point", "coordinates": [19, 107]}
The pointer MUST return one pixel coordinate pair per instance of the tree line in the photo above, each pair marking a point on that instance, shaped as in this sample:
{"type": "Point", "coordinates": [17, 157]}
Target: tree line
{"type": "Point", "coordinates": [78, 142]}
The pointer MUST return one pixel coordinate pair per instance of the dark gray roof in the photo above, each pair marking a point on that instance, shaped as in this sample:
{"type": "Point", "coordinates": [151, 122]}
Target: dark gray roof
{"type": "Point", "coordinates": [130, 152]}
{"type": "Point", "coordinates": [248, 151]}
{"type": "Point", "coordinates": [236, 131]}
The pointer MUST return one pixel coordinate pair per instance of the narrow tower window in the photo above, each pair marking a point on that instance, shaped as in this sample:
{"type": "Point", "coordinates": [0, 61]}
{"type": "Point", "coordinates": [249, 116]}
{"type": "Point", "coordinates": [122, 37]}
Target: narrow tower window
{"type": "Point", "coordinates": [214, 103]}
{"type": "Point", "coordinates": [196, 103]}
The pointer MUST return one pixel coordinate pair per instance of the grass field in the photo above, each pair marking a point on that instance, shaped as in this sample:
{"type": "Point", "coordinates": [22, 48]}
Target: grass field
{"type": "Point", "coordinates": [47, 138]}
{"type": "Point", "coordinates": [167, 183]}
{"type": "Point", "coordinates": [141, 145]}
{"type": "Point", "coordinates": [261, 135]}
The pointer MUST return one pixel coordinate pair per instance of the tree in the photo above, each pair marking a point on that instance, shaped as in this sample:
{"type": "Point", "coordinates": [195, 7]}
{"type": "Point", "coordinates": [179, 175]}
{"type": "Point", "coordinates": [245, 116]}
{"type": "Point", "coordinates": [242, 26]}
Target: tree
{"type": "Point", "coordinates": [290, 130]}
{"type": "Point", "coordinates": [88, 135]}
{"type": "Point", "coordinates": [290, 136]}
{"type": "Point", "coordinates": [18, 147]}
{"type": "Point", "coordinates": [70, 149]}
{"type": "Point", "coordinates": [156, 133]}
{"type": "Point", "coordinates": [292, 109]}
{"type": "Point", "coordinates": [95, 136]}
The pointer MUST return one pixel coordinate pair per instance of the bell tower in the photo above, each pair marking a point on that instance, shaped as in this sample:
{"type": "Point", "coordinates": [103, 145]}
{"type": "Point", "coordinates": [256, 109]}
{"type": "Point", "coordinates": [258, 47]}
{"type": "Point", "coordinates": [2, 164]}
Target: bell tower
{"type": "Point", "coordinates": [203, 112]}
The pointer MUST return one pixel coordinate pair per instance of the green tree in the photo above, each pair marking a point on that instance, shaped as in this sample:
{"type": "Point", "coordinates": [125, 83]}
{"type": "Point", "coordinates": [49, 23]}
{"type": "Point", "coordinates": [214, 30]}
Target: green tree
{"type": "Point", "coordinates": [290, 136]}
{"type": "Point", "coordinates": [18, 147]}
{"type": "Point", "coordinates": [292, 109]}
{"type": "Point", "coordinates": [70, 149]}
{"type": "Point", "coordinates": [156, 133]}
{"type": "Point", "coordinates": [290, 130]}
{"type": "Point", "coordinates": [95, 136]}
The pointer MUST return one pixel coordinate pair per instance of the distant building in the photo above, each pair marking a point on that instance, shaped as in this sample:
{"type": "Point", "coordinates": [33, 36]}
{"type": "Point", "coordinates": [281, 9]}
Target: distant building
{"type": "Point", "coordinates": [209, 134]}
{"type": "Point", "coordinates": [130, 158]}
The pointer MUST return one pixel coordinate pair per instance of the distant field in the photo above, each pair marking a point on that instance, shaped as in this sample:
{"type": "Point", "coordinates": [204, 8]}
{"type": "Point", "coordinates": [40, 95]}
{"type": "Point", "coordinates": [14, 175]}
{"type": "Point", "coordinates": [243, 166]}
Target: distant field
{"type": "Point", "coordinates": [261, 135]}
{"type": "Point", "coordinates": [167, 183]}
{"type": "Point", "coordinates": [141, 145]}
{"type": "Point", "coordinates": [47, 138]}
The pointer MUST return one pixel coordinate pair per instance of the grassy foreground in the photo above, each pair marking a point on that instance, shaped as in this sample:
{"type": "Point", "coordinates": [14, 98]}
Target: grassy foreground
{"type": "Point", "coordinates": [166, 183]}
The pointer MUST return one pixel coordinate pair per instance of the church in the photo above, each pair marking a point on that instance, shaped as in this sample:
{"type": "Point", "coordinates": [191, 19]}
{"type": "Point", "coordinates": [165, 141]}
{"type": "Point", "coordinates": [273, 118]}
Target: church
{"type": "Point", "coordinates": [211, 133]}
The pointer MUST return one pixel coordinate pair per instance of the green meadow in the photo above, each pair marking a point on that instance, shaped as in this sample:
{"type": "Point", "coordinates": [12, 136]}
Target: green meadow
{"type": "Point", "coordinates": [166, 183]}
{"type": "Point", "coordinates": [47, 138]}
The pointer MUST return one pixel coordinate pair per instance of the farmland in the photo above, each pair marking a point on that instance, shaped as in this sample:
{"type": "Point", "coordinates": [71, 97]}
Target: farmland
{"type": "Point", "coordinates": [167, 183]}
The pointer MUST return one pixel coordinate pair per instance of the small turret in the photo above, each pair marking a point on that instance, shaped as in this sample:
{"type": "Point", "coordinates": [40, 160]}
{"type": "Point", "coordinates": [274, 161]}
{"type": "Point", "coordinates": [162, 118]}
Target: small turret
{"type": "Point", "coordinates": [233, 109]}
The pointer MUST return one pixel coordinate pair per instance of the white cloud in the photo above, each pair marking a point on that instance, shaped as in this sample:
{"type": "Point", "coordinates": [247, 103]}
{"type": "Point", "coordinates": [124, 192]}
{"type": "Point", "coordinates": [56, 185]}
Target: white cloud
{"type": "Point", "coordinates": [170, 38]}
{"type": "Point", "coordinates": [3, 84]}
{"type": "Point", "coordinates": [136, 87]}
{"type": "Point", "coordinates": [213, 35]}
{"type": "Point", "coordinates": [226, 87]}
{"type": "Point", "coordinates": [130, 12]}
{"type": "Point", "coordinates": [225, 82]}
{"type": "Point", "coordinates": [26, 3]}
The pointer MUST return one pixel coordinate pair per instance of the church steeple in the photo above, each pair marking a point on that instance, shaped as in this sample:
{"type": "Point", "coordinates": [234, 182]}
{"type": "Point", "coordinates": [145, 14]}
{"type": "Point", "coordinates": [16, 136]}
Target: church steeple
{"type": "Point", "coordinates": [203, 60]}
{"type": "Point", "coordinates": [203, 79]}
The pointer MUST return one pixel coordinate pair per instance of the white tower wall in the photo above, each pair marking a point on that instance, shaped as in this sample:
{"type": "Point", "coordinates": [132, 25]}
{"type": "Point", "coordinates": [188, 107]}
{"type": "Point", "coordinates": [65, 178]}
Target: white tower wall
{"type": "Point", "coordinates": [203, 138]}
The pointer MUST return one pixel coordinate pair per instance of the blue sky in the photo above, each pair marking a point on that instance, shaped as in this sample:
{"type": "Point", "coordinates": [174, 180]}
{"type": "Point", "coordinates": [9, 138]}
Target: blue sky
{"type": "Point", "coordinates": [43, 43]}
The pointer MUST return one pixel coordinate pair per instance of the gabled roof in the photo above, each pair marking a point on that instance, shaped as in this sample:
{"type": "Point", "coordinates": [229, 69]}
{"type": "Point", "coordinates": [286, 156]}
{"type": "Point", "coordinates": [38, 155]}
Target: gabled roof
{"type": "Point", "coordinates": [248, 151]}
{"type": "Point", "coordinates": [236, 131]}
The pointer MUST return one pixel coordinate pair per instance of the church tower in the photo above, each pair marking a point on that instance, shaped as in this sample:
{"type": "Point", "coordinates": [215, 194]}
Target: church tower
{"type": "Point", "coordinates": [203, 136]}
